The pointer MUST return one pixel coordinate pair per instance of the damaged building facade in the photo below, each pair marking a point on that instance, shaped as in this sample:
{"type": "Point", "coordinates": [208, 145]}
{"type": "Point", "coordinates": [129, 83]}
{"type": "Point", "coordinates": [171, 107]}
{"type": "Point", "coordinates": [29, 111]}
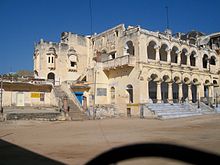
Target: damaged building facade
{"type": "Point", "coordinates": [128, 67]}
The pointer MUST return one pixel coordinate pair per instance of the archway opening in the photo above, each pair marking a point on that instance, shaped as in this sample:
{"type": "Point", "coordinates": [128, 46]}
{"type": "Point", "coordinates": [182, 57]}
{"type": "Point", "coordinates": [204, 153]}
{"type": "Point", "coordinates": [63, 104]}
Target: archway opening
{"type": "Point", "coordinates": [163, 52]}
{"type": "Point", "coordinates": [212, 60]}
{"type": "Point", "coordinates": [130, 48]}
{"type": "Point", "coordinates": [183, 57]}
{"type": "Point", "coordinates": [151, 52]}
{"type": "Point", "coordinates": [193, 59]}
{"type": "Point", "coordinates": [112, 95]}
{"type": "Point", "coordinates": [194, 93]}
{"type": "Point", "coordinates": [130, 93]}
{"type": "Point", "coordinates": [175, 88]}
{"type": "Point", "coordinates": [152, 88]}
{"type": "Point", "coordinates": [51, 76]}
{"type": "Point", "coordinates": [205, 61]}
{"type": "Point", "coordinates": [174, 54]}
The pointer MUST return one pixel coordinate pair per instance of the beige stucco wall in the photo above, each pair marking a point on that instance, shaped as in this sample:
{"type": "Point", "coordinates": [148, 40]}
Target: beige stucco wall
{"type": "Point", "coordinates": [10, 99]}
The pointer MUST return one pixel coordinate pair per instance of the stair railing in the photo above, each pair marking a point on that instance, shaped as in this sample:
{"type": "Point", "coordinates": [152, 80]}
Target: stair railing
{"type": "Point", "coordinates": [66, 88]}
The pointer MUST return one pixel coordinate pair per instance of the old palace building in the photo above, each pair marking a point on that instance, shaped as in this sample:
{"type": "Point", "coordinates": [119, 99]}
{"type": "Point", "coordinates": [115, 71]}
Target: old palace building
{"type": "Point", "coordinates": [127, 67]}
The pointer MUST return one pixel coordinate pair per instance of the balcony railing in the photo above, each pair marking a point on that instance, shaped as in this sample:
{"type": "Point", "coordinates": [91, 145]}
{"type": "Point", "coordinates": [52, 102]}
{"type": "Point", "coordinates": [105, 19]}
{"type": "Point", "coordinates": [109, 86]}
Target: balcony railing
{"type": "Point", "coordinates": [127, 60]}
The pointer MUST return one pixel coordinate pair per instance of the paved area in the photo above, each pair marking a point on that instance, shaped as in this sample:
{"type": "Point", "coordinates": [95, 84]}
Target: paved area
{"type": "Point", "coordinates": [77, 142]}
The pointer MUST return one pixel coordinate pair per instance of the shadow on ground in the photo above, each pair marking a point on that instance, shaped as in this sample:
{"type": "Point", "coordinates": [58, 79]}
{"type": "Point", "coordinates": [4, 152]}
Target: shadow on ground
{"type": "Point", "coordinates": [11, 154]}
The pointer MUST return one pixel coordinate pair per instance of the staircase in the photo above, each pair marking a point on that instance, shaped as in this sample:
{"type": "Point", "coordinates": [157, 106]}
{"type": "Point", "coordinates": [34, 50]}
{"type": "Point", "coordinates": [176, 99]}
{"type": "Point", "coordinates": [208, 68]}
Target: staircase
{"type": "Point", "coordinates": [203, 108]}
{"type": "Point", "coordinates": [172, 111]}
{"type": "Point", "coordinates": [75, 112]}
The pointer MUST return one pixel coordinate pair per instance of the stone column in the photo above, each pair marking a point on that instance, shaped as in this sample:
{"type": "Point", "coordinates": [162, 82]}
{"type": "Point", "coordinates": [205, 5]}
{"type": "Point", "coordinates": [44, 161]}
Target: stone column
{"type": "Point", "coordinates": [198, 92]}
{"type": "Point", "coordinates": [180, 91]}
{"type": "Point", "coordinates": [157, 54]}
{"type": "Point", "coordinates": [169, 56]}
{"type": "Point", "coordinates": [211, 92]}
{"type": "Point", "coordinates": [187, 59]}
{"type": "Point", "coordinates": [196, 61]}
{"type": "Point", "coordinates": [179, 58]}
{"type": "Point", "coordinates": [147, 94]}
{"type": "Point", "coordinates": [201, 90]}
{"type": "Point", "coordinates": [159, 92]}
{"type": "Point", "coordinates": [170, 92]}
{"type": "Point", "coordinates": [208, 64]}
{"type": "Point", "coordinates": [189, 93]}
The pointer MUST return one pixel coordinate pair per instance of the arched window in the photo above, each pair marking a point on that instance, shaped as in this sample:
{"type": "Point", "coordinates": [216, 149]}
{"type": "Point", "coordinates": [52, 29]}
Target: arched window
{"type": "Point", "coordinates": [174, 54]}
{"type": "Point", "coordinates": [129, 48]}
{"type": "Point", "coordinates": [51, 55]}
{"type": "Point", "coordinates": [163, 52]}
{"type": "Point", "coordinates": [130, 93]}
{"type": "Point", "coordinates": [193, 59]}
{"type": "Point", "coordinates": [212, 60]}
{"type": "Point", "coordinates": [205, 61]}
{"type": "Point", "coordinates": [183, 57]}
{"type": "Point", "coordinates": [73, 59]}
{"type": "Point", "coordinates": [151, 52]}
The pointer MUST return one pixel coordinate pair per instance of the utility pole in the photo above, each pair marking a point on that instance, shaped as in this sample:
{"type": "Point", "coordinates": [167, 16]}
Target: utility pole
{"type": "Point", "coordinates": [167, 17]}
{"type": "Point", "coordinates": [1, 95]}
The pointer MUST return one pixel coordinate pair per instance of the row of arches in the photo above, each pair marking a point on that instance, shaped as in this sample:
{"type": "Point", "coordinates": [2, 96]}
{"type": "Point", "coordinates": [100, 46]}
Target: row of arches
{"type": "Point", "coordinates": [171, 91]}
{"type": "Point", "coordinates": [176, 55]}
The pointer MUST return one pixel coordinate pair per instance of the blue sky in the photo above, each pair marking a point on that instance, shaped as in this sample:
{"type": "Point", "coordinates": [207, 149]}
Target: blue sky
{"type": "Point", "coordinates": [24, 22]}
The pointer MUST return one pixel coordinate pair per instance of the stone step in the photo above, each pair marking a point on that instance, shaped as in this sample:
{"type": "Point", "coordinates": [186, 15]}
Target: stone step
{"type": "Point", "coordinates": [33, 116]}
{"type": "Point", "coordinates": [177, 113]}
{"type": "Point", "coordinates": [178, 116]}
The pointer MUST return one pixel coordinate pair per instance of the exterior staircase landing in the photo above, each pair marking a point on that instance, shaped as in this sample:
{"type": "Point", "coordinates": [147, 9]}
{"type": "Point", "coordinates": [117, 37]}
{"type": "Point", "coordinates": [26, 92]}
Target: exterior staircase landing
{"type": "Point", "coordinates": [75, 112]}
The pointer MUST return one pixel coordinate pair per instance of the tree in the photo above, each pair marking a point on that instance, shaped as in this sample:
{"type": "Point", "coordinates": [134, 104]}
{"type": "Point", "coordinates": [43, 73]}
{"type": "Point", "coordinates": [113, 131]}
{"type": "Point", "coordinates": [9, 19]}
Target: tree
{"type": "Point", "coordinates": [25, 73]}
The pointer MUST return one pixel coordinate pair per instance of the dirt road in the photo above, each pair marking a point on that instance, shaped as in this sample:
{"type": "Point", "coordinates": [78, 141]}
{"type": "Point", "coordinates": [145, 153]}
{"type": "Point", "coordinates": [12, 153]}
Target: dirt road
{"type": "Point", "coordinates": [77, 142]}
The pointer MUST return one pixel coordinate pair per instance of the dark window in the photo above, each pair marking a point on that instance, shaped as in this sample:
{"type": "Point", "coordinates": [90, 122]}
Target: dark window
{"type": "Point", "coordinates": [73, 64]}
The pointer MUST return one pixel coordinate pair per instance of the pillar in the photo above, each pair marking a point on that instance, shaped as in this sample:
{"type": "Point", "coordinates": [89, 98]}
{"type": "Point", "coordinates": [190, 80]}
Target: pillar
{"type": "Point", "coordinates": [180, 91]}
{"type": "Point", "coordinates": [198, 92]}
{"type": "Point", "coordinates": [201, 91]}
{"type": "Point", "coordinates": [170, 93]}
{"type": "Point", "coordinates": [211, 92]}
{"type": "Point", "coordinates": [196, 60]}
{"type": "Point", "coordinates": [157, 55]}
{"type": "Point", "coordinates": [179, 58]}
{"type": "Point", "coordinates": [188, 59]}
{"type": "Point", "coordinates": [189, 93]}
{"type": "Point", "coordinates": [208, 64]}
{"type": "Point", "coordinates": [147, 94]}
{"type": "Point", "coordinates": [158, 92]}
{"type": "Point", "coordinates": [144, 92]}
{"type": "Point", "coordinates": [168, 56]}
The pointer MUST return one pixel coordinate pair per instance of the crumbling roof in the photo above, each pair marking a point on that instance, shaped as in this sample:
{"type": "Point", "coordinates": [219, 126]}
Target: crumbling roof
{"type": "Point", "coordinates": [26, 87]}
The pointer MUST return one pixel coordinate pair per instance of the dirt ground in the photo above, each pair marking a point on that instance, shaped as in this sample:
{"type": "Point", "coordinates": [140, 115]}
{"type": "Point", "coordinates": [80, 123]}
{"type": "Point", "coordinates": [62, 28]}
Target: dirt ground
{"type": "Point", "coordinates": [76, 142]}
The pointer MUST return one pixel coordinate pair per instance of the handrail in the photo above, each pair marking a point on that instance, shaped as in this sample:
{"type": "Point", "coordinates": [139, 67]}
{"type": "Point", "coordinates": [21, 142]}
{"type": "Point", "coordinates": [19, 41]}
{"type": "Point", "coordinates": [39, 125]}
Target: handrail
{"type": "Point", "coordinates": [65, 87]}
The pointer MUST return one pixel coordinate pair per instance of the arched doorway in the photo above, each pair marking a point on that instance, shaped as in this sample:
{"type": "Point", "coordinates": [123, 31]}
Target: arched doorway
{"type": "Point", "coordinates": [206, 91]}
{"type": "Point", "coordinates": [152, 88]}
{"type": "Point", "coordinates": [130, 93]}
{"type": "Point", "coordinates": [183, 57]}
{"type": "Point", "coordinates": [175, 88]}
{"type": "Point", "coordinates": [194, 93]}
{"type": "Point", "coordinates": [112, 95]}
{"type": "Point", "coordinates": [51, 77]}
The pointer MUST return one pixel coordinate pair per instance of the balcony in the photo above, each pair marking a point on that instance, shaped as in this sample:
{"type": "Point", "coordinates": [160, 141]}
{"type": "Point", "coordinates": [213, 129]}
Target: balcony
{"type": "Point", "coordinates": [122, 61]}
